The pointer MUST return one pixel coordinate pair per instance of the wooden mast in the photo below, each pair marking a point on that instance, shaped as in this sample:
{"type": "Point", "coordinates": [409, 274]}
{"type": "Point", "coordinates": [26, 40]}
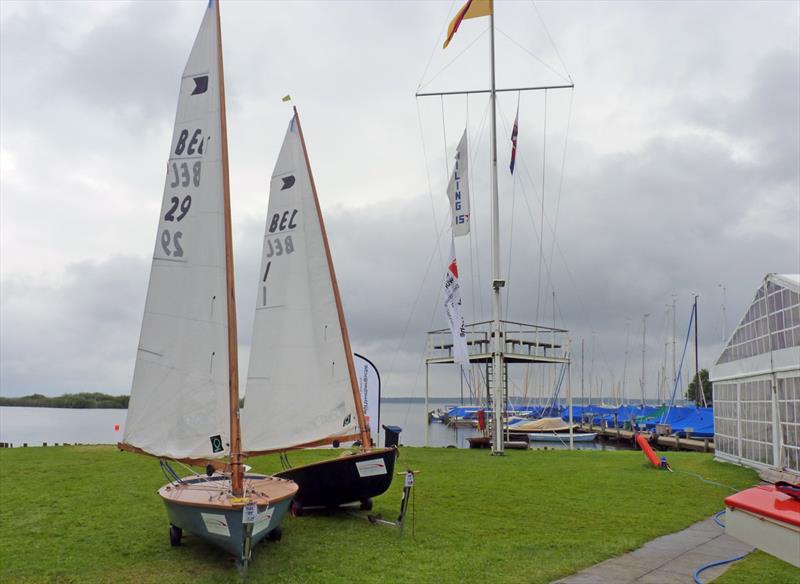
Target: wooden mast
{"type": "Point", "coordinates": [237, 474]}
{"type": "Point", "coordinates": [362, 423]}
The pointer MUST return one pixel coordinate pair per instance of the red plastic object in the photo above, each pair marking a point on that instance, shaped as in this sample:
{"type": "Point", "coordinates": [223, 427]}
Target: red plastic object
{"type": "Point", "coordinates": [645, 446]}
{"type": "Point", "coordinates": [767, 501]}
{"type": "Point", "coordinates": [481, 419]}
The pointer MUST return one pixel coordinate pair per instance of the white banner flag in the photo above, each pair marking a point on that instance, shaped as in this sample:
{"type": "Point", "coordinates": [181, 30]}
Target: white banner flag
{"type": "Point", "coordinates": [369, 383]}
{"type": "Point", "coordinates": [452, 308]}
{"type": "Point", "coordinates": [458, 190]}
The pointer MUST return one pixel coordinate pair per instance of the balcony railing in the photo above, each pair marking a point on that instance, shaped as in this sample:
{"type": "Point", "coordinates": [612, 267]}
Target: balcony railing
{"type": "Point", "coordinates": [522, 343]}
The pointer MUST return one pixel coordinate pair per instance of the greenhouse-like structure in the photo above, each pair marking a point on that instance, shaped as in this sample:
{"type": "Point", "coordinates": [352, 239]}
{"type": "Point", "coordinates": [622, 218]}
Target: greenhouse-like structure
{"type": "Point", "coordinates": [756, 381]}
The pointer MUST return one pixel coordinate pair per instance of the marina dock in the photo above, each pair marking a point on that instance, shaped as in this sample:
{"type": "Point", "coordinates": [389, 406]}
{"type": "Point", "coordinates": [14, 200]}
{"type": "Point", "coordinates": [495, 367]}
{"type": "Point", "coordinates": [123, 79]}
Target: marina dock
{"type": "Point", "coordinates": [664, 442]}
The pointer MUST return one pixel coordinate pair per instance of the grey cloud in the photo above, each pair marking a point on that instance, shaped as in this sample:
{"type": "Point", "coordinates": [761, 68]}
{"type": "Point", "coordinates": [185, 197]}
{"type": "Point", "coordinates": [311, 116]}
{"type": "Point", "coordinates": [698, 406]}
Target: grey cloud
{"type": "Point", "coordinates": [656, 198]}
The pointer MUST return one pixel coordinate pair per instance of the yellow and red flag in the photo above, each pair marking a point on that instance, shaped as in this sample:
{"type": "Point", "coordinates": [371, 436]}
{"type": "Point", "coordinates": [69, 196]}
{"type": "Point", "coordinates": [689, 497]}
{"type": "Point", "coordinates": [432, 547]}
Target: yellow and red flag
{"type": "Point", "coordinates": [472, 9]}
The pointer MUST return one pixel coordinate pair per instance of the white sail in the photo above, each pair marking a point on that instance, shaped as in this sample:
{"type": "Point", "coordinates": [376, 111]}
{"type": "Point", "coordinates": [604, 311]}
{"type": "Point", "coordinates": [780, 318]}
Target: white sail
{"type": "Point", "coordinates": [298, 384]}
{"type": "Point", "coordinates": [179, 405]}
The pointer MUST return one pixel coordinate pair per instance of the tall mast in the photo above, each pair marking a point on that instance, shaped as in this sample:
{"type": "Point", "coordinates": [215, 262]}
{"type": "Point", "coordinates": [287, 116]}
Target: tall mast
{"type": "Point", "coordinates": [674, 362]}
{"type": "Point", "coordinates": [363, 427]}
{"type": "Point", "coordinates": [627, 351]}
{"type": "Point", "coordinates": [497, 282]}
{"type": "Point", "coordinates": [699, 385]}
{"type": "Point", "coordinates": [583, 399]}
{"type": "Point", "coordinates": [237, 474]}
{"type": "Point", "coordinates": [644, 336]}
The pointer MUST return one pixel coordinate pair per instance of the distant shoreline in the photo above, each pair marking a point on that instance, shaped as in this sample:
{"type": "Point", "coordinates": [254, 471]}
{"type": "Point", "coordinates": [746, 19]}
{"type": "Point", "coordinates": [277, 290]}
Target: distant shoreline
{"type": "Point", "coordinates": [79, 401]}
{"type": "Point", "coordinates": [102, 401]}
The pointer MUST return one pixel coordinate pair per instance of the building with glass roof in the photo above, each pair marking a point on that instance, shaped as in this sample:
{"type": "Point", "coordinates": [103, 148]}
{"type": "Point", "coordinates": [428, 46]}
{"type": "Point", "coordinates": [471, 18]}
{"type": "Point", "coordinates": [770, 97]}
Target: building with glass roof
{"type": "Point", "coordinates": [756, 381]}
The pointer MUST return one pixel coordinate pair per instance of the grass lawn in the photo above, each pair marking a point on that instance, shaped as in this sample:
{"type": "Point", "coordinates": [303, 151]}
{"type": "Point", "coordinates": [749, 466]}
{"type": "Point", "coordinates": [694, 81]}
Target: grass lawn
{"type": "Point", "coordinates": [760, 567]}
{"type": "Point", "coordinates": [91, 514]}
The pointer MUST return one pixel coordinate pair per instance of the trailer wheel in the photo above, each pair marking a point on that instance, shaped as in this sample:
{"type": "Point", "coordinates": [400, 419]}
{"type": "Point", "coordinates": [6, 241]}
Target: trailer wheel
{"type": "Point", "coordinates": [175, 535]}
{"type": "Point", "coordinates": [296, 509]}
{"type": "Point", "coordinates": [275, 534]}
{"type": "Point", "coordinates": [366, 504]}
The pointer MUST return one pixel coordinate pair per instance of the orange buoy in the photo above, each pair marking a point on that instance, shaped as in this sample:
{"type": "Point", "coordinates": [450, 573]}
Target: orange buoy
{"type": "Point", "coordinates": [645, 446]}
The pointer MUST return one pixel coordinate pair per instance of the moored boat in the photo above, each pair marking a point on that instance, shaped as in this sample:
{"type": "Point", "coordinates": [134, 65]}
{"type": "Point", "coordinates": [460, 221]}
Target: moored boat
{"type": "Point", "coordinates": [561, 436]}
{"type": "Point", "coordinates": [301, 362]}
{"type": "Point", "coordinates": [184, 404]}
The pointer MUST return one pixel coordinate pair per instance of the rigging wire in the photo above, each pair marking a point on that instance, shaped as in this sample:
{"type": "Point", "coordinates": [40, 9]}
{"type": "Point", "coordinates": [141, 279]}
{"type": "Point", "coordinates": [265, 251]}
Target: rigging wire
{"type": "Point", "coordinates": [475, 291]}
{"type": "Point", "coordinates": [472, 283]}
{"type": "Point", "coordinates": [430, 326]}
{"type": "Point", "coordinates": [440, 231]}
{"type": "Point", "coordinates": [474, 225]}
{"type": "Point", "coordinates": [584, 311]}
{"type": "Point", "coordinates": [436, 251]}
{"type": "Point", "coordinates": [444, 142]}
{"type": "Point", "coordinates": [541, 217]}
{"type": "Point", "coordinates": [428, 177]}
{"type": "Point", "coordinates": [511, 230]}
{"type": "Point", "coordinates": [665, 415]}
{"type": "Point", "coordinates": [496, 28]}
{"type": "Point", "coordinates": [561, 177]}
{"type": "Point", "coordinates": [550, 38]}
{"type": "Point", "coordinates": [443, 69]}
{"type": "Point", "coordinates": [435, 46]}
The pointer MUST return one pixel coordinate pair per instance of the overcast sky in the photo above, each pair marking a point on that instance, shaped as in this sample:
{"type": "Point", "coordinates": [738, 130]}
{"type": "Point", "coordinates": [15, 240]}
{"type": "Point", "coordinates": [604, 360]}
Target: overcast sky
{"type": "Point", "coordinates": [680, 172]}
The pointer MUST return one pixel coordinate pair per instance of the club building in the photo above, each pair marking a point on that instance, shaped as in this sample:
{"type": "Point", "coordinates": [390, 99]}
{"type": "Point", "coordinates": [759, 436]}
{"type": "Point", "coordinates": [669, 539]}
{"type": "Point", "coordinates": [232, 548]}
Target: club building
{"type": "Point", "coordinates": [756, 381]}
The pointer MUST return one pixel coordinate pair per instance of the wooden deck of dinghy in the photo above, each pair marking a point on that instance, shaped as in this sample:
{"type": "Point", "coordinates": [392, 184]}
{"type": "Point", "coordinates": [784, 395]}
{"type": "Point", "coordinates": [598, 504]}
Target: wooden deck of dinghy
{"type": "Point", "coordinates": [216, 493]}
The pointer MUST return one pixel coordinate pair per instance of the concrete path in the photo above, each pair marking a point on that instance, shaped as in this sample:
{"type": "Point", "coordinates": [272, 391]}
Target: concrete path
{"type": "Point", "coordinates": [669, 559]}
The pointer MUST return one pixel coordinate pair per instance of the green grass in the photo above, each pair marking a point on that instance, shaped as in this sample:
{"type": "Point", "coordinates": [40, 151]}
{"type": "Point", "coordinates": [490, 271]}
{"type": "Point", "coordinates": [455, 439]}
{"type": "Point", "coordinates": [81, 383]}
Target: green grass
{"type": "Point", "coordinates": [91, 514]}
{"type": "Point", "coordinates": [760, 567]}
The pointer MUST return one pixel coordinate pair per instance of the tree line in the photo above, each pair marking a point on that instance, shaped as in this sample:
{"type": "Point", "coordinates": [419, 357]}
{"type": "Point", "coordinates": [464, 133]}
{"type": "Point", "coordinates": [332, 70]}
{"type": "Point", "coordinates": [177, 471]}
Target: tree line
{"type": "Point", "coordinates": [68, 400]}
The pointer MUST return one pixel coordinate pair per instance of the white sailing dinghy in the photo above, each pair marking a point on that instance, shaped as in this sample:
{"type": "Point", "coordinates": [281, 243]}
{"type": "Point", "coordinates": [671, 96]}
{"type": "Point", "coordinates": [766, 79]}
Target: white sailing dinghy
{"type": "Point", "coordinates": [301, 371]}
{"type": "Point", "coordinates": [185, 396]}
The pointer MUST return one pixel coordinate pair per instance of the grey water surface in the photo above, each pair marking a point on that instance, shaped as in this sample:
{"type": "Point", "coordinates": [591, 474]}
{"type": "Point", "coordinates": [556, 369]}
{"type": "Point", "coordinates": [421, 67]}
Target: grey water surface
{"type": "Point", "coordinates": [34, 426]}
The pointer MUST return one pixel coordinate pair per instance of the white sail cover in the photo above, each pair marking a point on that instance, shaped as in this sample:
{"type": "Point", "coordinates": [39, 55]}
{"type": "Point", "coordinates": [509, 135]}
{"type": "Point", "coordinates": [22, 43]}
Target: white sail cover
{"type": "Point", "coordinates": [179, 405]}
{"type": "Point", "coordinates": [298, 381]}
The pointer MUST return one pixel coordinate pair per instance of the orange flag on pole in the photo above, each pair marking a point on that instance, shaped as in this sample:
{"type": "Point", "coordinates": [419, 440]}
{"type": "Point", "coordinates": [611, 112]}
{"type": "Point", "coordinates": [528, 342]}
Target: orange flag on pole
{"type": "Point", "coordinates": [472, 9]}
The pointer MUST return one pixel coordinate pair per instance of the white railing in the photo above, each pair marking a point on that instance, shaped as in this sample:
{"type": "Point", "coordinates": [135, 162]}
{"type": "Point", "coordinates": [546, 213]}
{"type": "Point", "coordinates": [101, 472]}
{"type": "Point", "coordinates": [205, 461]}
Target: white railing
{"type": "Point", "coordinates": [527, 341]}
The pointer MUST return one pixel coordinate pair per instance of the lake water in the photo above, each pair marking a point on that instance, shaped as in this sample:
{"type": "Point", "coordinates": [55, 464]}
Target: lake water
{"type": "Point", "coordinates": [60, 425]}
{"type": "Point", "coordinates": [37, 425]}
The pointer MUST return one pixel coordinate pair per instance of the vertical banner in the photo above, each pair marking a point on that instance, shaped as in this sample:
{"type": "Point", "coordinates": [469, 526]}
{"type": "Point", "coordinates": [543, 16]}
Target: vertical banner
{"type": "Point", "coordinates": [458, 189]}
{"type": "Point", "coordinates": [452, 308]}
{"type": "Point", "coordinates": [369, 384]}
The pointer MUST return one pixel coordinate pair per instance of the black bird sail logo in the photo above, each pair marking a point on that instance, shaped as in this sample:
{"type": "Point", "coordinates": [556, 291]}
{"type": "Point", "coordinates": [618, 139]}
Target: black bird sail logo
{"type": "Point", "coordinates": [288, 182]}
{"type": "Point", "coordinates": [200, 85]}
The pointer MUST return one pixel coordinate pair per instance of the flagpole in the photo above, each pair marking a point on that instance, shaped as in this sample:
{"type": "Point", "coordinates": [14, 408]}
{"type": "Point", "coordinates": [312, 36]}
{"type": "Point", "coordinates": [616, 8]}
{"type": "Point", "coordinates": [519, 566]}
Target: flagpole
{"type": "Point", "coordinates": [497, 282]}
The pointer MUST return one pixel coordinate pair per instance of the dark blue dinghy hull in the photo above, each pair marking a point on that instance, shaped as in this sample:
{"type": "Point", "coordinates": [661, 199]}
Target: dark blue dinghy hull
{"type": "Point", "coordinates": [355, 478]}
